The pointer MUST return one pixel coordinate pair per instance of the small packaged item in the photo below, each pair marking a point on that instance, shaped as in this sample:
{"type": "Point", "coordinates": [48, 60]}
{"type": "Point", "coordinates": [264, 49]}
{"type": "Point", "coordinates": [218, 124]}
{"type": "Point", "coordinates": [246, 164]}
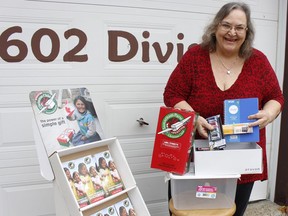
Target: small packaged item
{"type": "Point", "coordinates": [241, 128]}
{"type": "Point", "coordinates": [216, 136]}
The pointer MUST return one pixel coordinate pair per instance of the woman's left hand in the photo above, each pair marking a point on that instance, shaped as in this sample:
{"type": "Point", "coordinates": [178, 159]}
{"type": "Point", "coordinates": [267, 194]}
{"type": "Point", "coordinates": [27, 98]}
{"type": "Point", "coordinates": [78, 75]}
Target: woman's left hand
{"type": "Point", "coordinates": [263, 118]}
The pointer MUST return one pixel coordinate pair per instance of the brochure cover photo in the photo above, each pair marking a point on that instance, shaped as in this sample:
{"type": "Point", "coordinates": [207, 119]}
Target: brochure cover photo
{"type": "Point", "coordinates": [83, 181]}
{"type": "Point", "coordinates": [125, 207]}
{"type": "Point", "coordinates": [92, 177]}
{"type": "Point", "coordinates": [65, 118]}
{"type": "Point", "coordinates": [122, 206]}
{"type": "Point", "coordinates": [109, 175]}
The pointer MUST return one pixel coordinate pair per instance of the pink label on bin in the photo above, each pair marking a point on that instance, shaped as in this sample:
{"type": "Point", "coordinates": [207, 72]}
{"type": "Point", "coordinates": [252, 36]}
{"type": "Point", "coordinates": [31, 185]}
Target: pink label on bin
{"type": "Point", "coordinates": [206, 192]}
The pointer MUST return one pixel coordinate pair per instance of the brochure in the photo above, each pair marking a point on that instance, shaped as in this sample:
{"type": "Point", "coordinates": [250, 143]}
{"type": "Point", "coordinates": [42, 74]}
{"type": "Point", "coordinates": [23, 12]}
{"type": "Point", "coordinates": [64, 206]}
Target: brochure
{"type": "Point", "coordinates": [125, 207]}
{"type": "Point", "coordinates": [107, 170]}
{"type": "Point", "coordinates": [81, 175]}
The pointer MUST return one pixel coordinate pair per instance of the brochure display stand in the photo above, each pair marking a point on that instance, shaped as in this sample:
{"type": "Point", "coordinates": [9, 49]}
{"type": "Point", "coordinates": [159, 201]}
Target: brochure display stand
{"type": "Point", "coordinates": [64, 196]}
{"type": "Point", "coordinates": [89, 179]}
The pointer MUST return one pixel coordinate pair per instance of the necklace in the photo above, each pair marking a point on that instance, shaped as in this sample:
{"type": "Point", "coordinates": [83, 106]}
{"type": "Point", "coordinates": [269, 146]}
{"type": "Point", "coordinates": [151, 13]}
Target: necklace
{"type": "Point", "coordinates": [228, 70]}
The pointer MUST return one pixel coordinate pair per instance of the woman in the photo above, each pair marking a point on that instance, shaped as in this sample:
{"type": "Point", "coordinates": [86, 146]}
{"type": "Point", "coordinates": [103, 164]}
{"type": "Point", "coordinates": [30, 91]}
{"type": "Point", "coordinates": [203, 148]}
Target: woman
{"type": "Point", "coordinates": [226, 66]}
{"type": "Point", "coordinates": [86, 123]}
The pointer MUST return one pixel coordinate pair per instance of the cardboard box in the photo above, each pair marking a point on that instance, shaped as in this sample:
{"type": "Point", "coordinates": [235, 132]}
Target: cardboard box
{"type": "Point", "coordinates": [236, 158]}
{"type": "Point", "coordinates": [173, 140]}
{"type": "Point", "coordinates": [190, 191]}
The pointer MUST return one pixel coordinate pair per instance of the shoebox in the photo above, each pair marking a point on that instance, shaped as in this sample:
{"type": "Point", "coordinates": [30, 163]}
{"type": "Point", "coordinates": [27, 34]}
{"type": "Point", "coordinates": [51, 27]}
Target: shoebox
{"type": "Point", "coordinates": [235, 158]}
{"type": "Point", "coordinates": [173, 140]}
{"type": "Point", "coordinates": [191, 192]}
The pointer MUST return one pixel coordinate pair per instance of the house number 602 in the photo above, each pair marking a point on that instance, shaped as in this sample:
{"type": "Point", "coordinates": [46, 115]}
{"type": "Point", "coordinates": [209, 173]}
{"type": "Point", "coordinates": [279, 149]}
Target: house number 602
{"type": "Point", "coordinates": [70, 56]}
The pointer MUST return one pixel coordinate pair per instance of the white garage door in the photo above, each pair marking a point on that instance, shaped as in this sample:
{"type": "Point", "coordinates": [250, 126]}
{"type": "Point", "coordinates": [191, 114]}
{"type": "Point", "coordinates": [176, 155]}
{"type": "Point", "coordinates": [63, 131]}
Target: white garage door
{"type": "Point", "coordinates": [123, 53]}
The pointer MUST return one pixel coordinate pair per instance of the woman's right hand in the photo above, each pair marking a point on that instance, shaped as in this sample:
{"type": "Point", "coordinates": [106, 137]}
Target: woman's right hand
{"type": "Point", "coordinates": [203, 126]}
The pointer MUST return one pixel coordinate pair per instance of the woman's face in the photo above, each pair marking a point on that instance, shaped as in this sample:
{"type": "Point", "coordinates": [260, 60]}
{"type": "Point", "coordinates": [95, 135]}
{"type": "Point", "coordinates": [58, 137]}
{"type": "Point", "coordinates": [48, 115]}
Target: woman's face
{"type": "Point", "coordinates": [80, 106]}
{"type": "Point", "coordinates": [230, 41]}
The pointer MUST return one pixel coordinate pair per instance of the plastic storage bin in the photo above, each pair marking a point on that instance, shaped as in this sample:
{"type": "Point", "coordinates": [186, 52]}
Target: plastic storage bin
{"type": "Point", "coordinates": [191, 192]}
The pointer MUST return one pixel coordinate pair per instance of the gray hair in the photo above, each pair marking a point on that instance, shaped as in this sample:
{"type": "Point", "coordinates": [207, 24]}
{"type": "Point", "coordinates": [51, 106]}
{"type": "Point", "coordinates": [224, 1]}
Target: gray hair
{"type": "Point", "coordinates": [209, 38]}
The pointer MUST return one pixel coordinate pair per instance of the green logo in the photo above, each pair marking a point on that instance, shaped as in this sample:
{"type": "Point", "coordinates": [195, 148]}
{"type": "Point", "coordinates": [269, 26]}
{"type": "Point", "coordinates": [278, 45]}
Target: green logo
{"type": "Point", "coordinates": [173, 121]}
{"type": "Point", "coordinates": [46, 103]}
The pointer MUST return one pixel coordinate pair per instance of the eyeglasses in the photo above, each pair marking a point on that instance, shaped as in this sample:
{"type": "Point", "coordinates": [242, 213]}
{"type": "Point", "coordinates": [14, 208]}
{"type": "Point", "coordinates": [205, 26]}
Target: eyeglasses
{"type": "Point", "coordinates": [239, 29]}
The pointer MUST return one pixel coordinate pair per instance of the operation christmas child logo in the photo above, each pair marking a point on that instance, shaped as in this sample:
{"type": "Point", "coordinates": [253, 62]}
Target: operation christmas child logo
{"type": "Point", "coordinates": [46, 103]}
{"type": "Point", "coordinates": [173, 125]}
